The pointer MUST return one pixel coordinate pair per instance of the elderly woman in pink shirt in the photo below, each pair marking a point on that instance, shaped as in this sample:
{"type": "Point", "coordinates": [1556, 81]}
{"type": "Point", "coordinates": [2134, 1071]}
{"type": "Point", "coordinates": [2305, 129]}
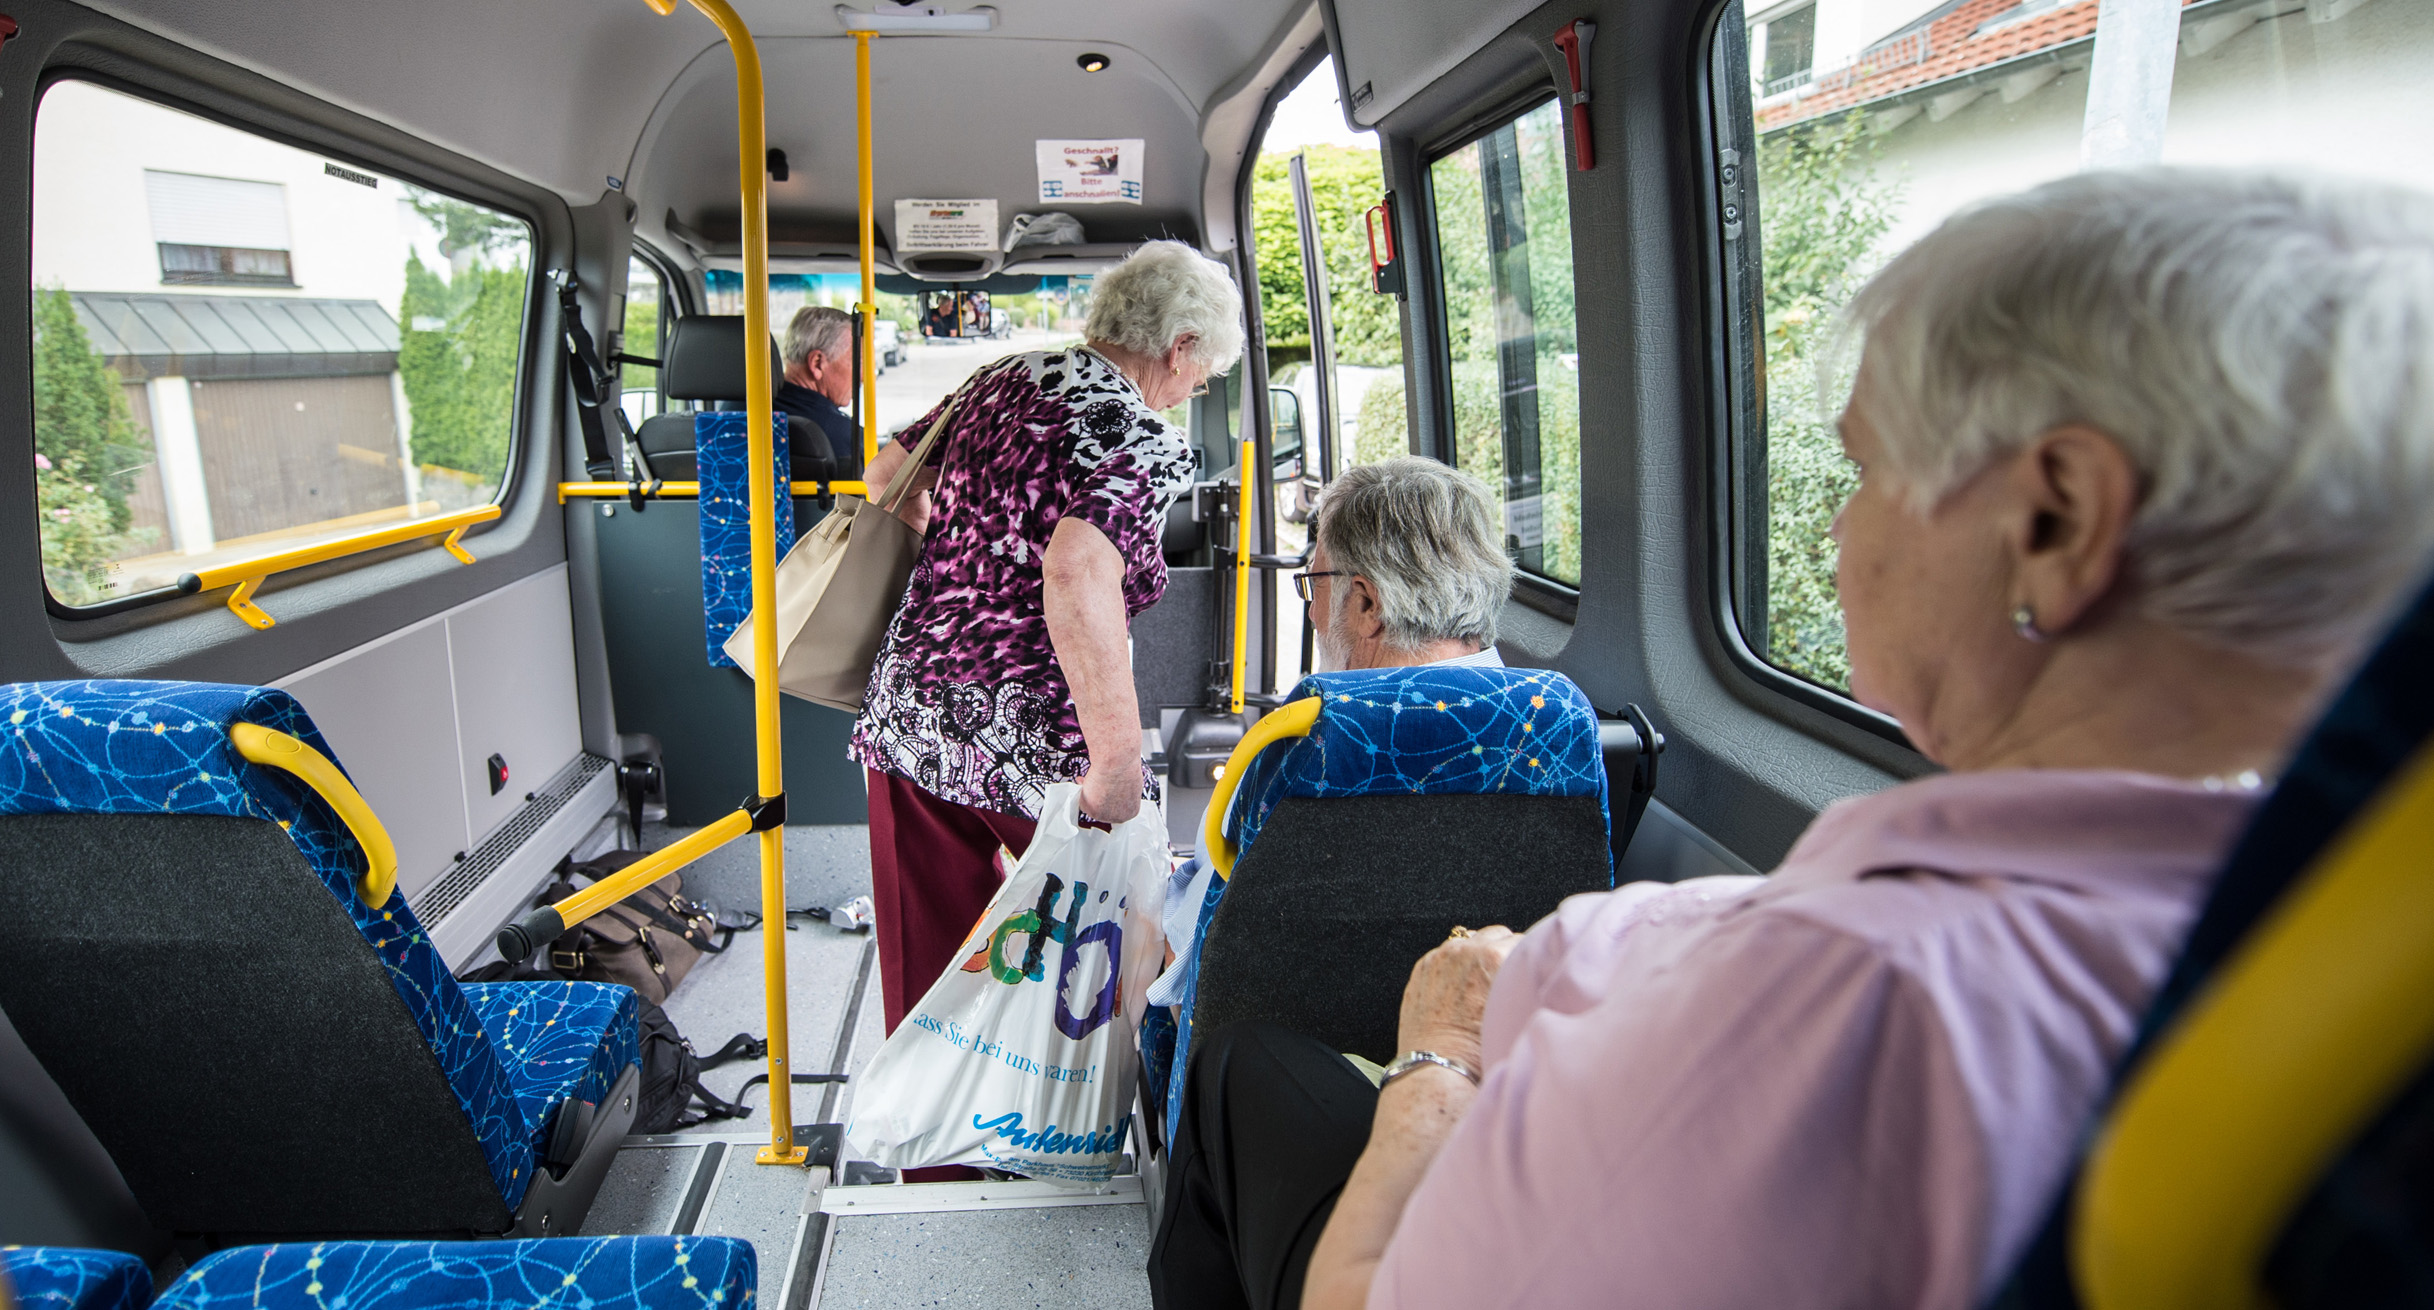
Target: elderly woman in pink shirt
{"type": "Point", "coordinates": [2144, 457]}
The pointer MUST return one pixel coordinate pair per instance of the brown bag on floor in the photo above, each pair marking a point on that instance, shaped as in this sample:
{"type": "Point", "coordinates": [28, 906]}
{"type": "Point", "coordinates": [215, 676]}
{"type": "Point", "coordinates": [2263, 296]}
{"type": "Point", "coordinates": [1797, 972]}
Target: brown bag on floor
{"type": "Point", "coordinates": [649, 941]}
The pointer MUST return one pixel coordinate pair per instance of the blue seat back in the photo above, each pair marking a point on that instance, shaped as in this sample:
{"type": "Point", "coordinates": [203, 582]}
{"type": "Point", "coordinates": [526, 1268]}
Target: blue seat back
{"type": "Point", "coordinates": [1430, 730]}
{"type": "Point", "coordinates": [722, 451]}
{"type": "Point", "coordinates": [74, 1278]}
{"type": "Point", "coordinates": [155, 748]}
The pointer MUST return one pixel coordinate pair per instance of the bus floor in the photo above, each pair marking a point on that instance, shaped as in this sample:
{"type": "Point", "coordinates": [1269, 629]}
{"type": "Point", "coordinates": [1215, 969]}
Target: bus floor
{"type": "Point", "coordinates": [848, 1237]}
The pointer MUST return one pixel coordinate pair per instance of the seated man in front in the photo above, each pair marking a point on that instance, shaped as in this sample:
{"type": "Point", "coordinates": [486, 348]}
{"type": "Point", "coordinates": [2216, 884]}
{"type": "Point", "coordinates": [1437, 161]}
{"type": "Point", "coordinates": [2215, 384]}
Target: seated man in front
{"type": "Point", "coordinates": [2145, 459]}
{"type": "Point", "coordinates": [1407, 567]}
{"type": "Point", "coordinates": [819, 379]}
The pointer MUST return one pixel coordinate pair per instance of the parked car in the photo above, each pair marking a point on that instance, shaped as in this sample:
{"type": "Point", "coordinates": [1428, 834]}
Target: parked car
{"type": "Point", "coordinates": [890, 343]}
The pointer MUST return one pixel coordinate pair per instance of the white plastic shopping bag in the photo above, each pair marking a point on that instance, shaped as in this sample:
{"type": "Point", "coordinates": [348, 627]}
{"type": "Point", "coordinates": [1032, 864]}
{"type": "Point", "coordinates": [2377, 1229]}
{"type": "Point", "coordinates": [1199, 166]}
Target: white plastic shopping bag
{"type": "Point", "coordinates": [1023, 1055]}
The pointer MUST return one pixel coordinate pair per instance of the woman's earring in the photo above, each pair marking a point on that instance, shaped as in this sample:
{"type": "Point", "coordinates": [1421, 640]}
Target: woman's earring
{"type": "Point", "coordinates": [2024, 622]}
{"type": "Point", "coordinates": [1175, 371]}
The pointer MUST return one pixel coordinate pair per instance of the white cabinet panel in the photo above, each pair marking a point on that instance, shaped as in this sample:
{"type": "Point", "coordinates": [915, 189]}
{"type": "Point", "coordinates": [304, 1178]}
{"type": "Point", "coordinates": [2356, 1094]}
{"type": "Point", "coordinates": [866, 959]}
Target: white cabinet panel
{"type": "Point", "coordinates": [389, 713]}
{"type": "Point", "coordinates": [513, 657]}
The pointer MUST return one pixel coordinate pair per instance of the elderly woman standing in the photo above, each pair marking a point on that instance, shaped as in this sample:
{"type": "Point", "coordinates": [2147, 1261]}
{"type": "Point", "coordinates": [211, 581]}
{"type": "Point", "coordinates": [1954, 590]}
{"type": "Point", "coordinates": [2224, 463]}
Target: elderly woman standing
{"type": "Point", "coordinates": [1007, 668]}
{"type": "Point", "coordinates": [2144, 458]}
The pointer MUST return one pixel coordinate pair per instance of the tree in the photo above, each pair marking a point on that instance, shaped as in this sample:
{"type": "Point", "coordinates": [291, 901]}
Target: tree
{"type": "Point", "coordinates": [87, 451]}
{"type": "Point", "coordinates": [457, 354]}
{"type": "Point", "coordinates": [1823, 210]}
{"type": "Point", "coordinates": [466, 229]}
{"type": "Point", "coordinates": [1344, 182]}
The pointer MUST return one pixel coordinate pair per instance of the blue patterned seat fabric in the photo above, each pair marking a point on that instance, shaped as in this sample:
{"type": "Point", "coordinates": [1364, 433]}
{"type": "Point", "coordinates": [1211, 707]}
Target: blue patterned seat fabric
{"type": "Point", "coordinates": [126, 747]}
{"type": "Point", "coordinates": [74, 1278]}
{"type": "Point", "coordinates": [720, 451]}
{"type": "Point", "coordinates": [1427, 730]}
{"type": "Point", "coordinates": [558, 1273]}
{"type": "Point", "coordinates": [559, 1039]}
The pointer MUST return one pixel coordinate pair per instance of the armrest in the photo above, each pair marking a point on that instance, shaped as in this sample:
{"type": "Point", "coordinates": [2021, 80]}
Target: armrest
{"type": "Point", "coordinates": [277, 750]}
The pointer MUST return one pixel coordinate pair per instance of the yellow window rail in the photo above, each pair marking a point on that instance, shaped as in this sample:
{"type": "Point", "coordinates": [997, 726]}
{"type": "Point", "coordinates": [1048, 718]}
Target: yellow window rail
{"type": "Point", "coordinates": [690, 490]}
{"type": "Point", "coordinates": [276, 750]}
{"type": "Point", "coordinates": [248, 575]}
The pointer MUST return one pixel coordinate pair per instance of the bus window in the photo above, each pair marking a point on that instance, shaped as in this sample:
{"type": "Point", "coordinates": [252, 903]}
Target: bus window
{"type": "Point", "coordinates": [241, 347]}
{"type": "Point", "coordinates": [645, 293]}
{"type": "Point", "coordinates": [1504, 240]}
{"type": "Point", "coordinates": [1870, 123]}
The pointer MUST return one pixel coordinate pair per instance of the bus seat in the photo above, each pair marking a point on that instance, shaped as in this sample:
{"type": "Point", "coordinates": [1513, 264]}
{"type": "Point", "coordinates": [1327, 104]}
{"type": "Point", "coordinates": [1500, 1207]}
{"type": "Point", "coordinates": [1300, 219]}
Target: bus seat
{"type": "Point", "coordinates": [260, 1051]}
{"type": "Point", "coordinates": [564, 1273]}
{"type": "Point", "coordinates": [573, 1273]}
{"type": "Point", "coordinates": [705, 363]}
{"type": "Point", "coordinates": [726, 524]}
{"type": "Point", "coordinates": [74, 1278]}
{"type": "Point", "coordinates": [2272, 1136]}
{"type": "Point", "coordinates": [1419, 799]}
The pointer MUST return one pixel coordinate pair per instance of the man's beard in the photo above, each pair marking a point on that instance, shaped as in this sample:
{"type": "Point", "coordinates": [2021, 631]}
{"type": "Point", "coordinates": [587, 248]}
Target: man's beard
{"type": "Point", "coordinates": [1334, 653]}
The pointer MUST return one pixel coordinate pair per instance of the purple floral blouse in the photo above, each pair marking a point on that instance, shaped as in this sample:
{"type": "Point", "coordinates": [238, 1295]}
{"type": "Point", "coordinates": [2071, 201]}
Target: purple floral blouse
{"type": "Point", "coordinates": [966, 698]}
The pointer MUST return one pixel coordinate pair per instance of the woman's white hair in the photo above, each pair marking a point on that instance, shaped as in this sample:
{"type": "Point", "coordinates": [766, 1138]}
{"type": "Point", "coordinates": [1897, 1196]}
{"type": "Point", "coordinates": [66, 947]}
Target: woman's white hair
{"type": "Point", "coordinates": [1164, 292]}
{"type": "Point", "coordinates": [1428, 537]}
{"type": "Point", "coordinates": [2261, 346]}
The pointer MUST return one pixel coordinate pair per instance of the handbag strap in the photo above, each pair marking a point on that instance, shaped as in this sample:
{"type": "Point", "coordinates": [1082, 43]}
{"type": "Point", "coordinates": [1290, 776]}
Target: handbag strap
{"type": "Point", "coordinates": [900, 486]}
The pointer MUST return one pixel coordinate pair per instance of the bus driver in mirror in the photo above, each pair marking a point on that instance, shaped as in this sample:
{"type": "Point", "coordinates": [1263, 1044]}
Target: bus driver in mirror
{"type": "Point", "coordinates": [2144, 462]}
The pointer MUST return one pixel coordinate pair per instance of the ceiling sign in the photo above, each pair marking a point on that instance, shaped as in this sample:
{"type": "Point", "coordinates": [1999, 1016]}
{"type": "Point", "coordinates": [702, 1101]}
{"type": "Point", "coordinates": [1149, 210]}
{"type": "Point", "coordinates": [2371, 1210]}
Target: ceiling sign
{"type": "Point", "coordinates": [946, 225]}
{"type": "Point", "coordinates": [1096, 172]}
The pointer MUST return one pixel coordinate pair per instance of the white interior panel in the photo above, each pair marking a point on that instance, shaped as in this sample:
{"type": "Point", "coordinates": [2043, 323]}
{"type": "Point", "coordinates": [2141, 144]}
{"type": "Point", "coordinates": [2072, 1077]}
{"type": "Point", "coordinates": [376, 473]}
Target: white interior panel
{"type": "Point", "coordinates": [1395, 50]}
{"type": "Point", "coordinates": [387, 711]}
{"type": "Point", "coordinates": [512, 653]}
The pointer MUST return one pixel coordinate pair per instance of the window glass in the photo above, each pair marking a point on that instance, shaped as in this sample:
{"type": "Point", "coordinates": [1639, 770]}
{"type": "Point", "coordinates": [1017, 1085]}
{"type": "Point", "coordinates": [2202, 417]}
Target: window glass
{"type": "Point", "coordinates": [645, 293]}
{"type": "Point", "coordinates": [1346, 175]}
{"type": "Point", "coordinates": [241, 347]}
{"type": "Point", "coordinates": [930, 342]}
{"type": "Point", "coordinates": [1504, 239]}
{"type": "Point", "coordinates": [1917, 109]}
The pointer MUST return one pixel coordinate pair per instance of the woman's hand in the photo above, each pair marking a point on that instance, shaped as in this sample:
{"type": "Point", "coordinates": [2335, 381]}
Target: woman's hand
{"type": "Point", "coordinates": [915, 510]}
{"type": "Point", "coordinates": [1446, 999]}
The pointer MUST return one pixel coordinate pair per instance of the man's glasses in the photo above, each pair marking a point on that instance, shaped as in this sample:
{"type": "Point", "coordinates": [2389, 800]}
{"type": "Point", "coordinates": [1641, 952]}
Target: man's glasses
{"type": "Point", "coordinates": [1304, 582]}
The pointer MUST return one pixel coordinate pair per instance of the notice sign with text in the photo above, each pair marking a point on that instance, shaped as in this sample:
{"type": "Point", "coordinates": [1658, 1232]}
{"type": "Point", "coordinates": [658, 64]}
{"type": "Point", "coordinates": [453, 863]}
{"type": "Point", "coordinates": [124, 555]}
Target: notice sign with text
{"type": "Point", "coordinates": [1100, 172]}
{"type": "Point", "coordinates": [946, 225]}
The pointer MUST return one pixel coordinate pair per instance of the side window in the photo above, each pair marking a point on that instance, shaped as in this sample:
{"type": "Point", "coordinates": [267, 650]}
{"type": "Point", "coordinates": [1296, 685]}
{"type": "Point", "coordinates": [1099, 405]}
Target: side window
{"type": "Point", "coordinates": [241, 347]}
{"type": "Point", "coordinates": [1504, 237]}
{"type": "Point", "coordinates": [645, 294]}
{"type": "Point", "coordinates": [1854, 128]}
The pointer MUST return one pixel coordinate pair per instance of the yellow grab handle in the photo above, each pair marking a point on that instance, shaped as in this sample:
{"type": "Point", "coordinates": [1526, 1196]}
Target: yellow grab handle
{"type": "Point", "coordinates": [273, 749]}
{"type": "Point", "coordinates": [1293, 720]}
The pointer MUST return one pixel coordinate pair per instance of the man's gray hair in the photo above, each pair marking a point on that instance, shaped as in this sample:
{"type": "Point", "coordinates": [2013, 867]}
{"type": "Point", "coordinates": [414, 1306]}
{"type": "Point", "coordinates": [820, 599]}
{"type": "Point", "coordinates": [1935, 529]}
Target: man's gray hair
{"type": "Point", "coordinates": [817, 327]}
{"type": "Point", "coordinates": [1164, 292]}
{"type": "Point", "coordinates": [1429, 539]}
{"type": "Point", "coordinates": [2261, 346]}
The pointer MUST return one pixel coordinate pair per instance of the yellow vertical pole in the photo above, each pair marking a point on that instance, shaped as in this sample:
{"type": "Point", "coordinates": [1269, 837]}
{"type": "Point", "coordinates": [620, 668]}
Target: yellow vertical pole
{"type": "Point", "coordinates": [1242, 574]}
{"type": "Point", "coordinates": [760, 394]}
{"type": "Point", "coordinates": [870, 290]}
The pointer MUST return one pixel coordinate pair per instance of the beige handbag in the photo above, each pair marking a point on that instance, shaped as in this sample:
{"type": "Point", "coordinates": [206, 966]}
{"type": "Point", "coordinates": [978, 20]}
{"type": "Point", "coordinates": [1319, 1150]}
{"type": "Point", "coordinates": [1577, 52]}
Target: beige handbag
{"type": "Point", "coordinates": [839, 587]}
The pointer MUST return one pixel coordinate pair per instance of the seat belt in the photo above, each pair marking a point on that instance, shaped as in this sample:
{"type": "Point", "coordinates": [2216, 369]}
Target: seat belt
{"type": "Point", "coordinates": [592, 380]}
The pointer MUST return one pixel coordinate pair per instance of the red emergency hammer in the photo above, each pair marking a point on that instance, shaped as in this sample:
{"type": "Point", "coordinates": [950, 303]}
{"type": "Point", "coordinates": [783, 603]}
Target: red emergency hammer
{"type": "Point", "coordinates": [1574, 42]}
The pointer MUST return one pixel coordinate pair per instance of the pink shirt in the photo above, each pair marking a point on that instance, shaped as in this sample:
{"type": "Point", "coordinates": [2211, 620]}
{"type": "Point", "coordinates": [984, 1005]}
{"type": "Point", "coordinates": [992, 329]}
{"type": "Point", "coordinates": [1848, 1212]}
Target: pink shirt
{"type": "Point", "coordinates": [1855, 1083]}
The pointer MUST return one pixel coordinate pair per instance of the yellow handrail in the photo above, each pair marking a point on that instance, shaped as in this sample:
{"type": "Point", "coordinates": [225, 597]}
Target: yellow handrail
{"type": "Point", "coordinates": [752, 141]}
{"type": "Point", "coordinates": [1242, 575]}
{"type": "Point", "coordinates": [689, 490]}
{"type": "Point", "coordinates": [869, 308]}
{"type": "Point", "coordinates": [250, 574]}
{"type": "Point", "coordinates": [651, 868]}
{"type": "Point", "coordinates": [1291, 720]}
{"type": "Point", "coordinates": [276, 750]}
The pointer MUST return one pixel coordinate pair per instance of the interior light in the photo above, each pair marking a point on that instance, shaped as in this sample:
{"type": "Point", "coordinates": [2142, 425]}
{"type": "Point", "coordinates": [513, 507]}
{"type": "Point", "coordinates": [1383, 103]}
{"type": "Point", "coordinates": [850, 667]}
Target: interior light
{"type": "Point", "coordinates": [922, 16]}
{"type": "Point", "coordinates": [1093, 62]}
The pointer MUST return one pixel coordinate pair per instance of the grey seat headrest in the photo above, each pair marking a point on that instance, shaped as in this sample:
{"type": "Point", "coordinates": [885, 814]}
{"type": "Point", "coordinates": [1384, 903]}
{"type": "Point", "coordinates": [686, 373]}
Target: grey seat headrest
{"type": "Point", "coordinates": [705, 359]}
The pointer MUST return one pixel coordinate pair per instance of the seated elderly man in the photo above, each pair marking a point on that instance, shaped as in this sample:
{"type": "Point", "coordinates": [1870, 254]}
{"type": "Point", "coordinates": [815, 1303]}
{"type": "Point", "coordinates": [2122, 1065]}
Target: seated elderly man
{"type": "Point", "coordinates": [1407, 567]}
{"type": "Point", "coordinates": [819, 378]}
{"type": "Point", "coordinates": [2144, 458]}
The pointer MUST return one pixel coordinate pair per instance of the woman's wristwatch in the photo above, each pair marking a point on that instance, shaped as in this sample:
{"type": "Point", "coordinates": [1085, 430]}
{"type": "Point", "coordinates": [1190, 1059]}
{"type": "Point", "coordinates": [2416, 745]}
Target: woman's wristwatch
{"type": "Point", "coordinates": [1410, 1060]}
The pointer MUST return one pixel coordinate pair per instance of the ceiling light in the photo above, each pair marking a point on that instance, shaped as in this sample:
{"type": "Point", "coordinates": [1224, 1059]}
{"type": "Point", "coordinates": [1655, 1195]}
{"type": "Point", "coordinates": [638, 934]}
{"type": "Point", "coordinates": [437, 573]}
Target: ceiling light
{"type": "Point", "coordinates": [1093, 62]}
{"type": "Point", "coordinates": [916, 18]}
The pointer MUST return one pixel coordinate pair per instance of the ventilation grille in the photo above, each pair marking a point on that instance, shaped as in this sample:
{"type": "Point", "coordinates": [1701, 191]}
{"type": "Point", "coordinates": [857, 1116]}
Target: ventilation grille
{"type": "Point", "coordinates": [441, 899]}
